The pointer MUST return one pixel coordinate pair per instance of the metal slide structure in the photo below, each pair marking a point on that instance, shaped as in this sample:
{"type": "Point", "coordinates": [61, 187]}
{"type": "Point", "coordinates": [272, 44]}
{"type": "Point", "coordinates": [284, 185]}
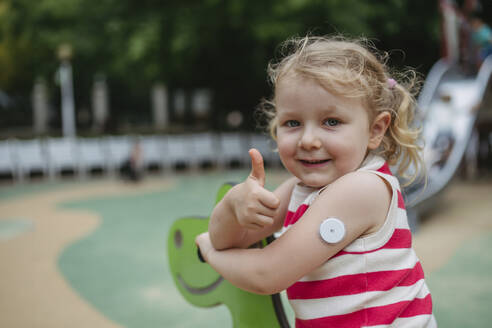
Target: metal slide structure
{"type": "Point", "coordinates": [449, 105]}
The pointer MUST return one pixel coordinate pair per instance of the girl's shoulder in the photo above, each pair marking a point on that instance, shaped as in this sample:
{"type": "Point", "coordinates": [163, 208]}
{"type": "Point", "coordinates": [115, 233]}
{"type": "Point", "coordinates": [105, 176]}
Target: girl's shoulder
{"type": "Point", "coordinates": [368, 196]}
{"type": "Point", "coordinates": [362, 186]}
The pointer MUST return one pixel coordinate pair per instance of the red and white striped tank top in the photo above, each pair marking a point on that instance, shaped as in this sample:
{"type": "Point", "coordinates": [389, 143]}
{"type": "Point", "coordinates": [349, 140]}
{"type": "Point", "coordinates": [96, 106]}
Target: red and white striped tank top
{"type": "Point", "coordinates": [376, 281]}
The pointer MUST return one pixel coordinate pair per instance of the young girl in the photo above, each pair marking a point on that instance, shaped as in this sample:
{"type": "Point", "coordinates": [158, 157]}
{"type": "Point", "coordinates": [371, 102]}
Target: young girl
{"type": "Point", "coordinates": [344, 253]}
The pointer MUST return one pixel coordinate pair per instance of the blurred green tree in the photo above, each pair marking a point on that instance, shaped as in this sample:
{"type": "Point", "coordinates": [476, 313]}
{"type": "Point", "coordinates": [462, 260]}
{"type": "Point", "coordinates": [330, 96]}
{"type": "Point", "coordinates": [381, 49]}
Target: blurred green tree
{"type": "Point", "coordinates": [223, 45]}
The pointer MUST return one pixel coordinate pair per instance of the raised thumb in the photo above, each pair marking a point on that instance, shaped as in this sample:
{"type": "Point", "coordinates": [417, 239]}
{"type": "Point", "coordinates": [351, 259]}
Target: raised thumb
{"type": "Point", "coordinates": [257, 167]}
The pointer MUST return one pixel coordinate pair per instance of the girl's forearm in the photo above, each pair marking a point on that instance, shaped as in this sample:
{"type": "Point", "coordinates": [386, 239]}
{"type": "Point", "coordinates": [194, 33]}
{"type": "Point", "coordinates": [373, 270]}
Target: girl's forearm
{"type": "Point", "coordinates": [241, 267]}
{"type": "Point", "coordinates": [245, 269]}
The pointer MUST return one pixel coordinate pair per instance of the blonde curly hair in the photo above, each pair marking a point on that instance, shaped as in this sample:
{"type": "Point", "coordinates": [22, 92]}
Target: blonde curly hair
{"type": "Point", "coordinates": [353, 68]}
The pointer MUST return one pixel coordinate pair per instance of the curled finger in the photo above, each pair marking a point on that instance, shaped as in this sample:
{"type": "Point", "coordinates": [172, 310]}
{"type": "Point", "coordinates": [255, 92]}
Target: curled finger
{"type": "Point", "coordinates": [269, 199]}
{"type": "Point", "coordinates": [263, 220]}
{"type": "Point", "coordinates": [254, 226]}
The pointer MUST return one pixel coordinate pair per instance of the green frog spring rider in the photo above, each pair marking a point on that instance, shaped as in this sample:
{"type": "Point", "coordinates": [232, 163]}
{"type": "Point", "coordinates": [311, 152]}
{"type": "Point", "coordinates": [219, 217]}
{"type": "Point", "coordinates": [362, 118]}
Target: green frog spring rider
{"type": "Point", "coordinates": [202, 286]}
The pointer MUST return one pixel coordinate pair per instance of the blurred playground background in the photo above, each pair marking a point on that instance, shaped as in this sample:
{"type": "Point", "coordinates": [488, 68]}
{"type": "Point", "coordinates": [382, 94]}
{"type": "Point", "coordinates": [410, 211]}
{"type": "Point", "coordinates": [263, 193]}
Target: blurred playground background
{"type": "Point", "coordinates": [119, 117]}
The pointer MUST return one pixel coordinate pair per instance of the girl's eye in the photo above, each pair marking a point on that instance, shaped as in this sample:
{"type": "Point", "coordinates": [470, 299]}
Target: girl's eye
{"type": "Point", "coordinates": [292, 123]}
{"type": "Point", "coordinates": [332, 122]}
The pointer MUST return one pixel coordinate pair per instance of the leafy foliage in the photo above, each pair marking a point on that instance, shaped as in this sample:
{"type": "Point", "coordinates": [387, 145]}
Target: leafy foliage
{"type": "Point", "coordinates": [223, 45]}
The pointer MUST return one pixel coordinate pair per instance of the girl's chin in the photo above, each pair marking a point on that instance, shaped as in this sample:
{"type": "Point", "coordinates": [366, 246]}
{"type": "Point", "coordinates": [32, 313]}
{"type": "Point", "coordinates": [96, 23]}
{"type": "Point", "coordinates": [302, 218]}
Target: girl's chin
{"type": "Point", "coordinates": [315, 182]}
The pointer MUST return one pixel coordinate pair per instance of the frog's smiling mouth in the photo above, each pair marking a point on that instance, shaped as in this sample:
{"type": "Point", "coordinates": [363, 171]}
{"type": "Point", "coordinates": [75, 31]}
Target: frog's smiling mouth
{"type": "Point", "coordinates": [200, 290]}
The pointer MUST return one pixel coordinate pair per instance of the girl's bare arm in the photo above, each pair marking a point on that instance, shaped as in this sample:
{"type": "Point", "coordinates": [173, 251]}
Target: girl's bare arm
{"type": "Point", "coordinates": [360, 200]}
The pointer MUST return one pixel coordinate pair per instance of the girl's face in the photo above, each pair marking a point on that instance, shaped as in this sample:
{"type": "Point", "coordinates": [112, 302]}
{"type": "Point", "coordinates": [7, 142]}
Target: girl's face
{"type": "Point", "coordinates": [320, 136]}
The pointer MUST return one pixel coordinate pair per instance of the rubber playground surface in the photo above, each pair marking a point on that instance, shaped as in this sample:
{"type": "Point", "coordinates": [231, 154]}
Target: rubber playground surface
{"type": "Point", "coordinates": [93, 253]}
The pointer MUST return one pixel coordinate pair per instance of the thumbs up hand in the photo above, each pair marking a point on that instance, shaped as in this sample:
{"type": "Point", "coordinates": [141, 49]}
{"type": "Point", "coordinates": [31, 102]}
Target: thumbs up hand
{"type": "Point", "coordinates": [255, 206]}
{"type": "Point", "coordinates": [257, 167]}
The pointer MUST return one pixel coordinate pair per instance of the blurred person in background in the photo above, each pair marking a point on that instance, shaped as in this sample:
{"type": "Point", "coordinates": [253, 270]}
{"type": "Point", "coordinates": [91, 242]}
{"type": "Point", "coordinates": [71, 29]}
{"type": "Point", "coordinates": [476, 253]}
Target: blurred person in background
{"type": "Point", "coordinates": [481, 37]}
{"type": "Point", "coordinates": [132, 168]}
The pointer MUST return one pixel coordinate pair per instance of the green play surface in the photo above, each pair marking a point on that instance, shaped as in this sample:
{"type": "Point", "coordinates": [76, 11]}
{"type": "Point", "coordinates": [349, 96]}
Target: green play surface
{"type": "Point", "coordinates": [8, 191]}
{"type": "Point", "coordinates": [13, 227]}
{"type": "Point", "coordinates": [462, 289]}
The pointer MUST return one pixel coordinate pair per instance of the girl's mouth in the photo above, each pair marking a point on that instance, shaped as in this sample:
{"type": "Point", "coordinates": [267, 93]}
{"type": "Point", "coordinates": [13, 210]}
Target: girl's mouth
{"type": "Point", "coordinates": [314, 163]}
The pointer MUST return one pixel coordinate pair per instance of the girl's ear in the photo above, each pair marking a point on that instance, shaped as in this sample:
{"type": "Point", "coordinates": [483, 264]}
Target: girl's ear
{"type": "Point", "coordinates": [378, 129]}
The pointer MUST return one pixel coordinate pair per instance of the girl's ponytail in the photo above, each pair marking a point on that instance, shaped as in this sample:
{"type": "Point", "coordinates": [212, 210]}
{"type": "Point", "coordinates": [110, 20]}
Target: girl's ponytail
{"type": "Point", "coordinates": [401, 145]}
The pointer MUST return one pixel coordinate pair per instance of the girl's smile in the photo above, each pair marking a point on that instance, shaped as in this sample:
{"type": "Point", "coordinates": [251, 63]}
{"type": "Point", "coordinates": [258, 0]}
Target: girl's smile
{"type": "Point", "coordinates": [313, 163]}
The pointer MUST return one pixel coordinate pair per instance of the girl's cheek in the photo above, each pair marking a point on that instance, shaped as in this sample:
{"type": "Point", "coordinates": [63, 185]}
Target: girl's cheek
{"type": "Point", "coordinates": [285, 144]}
{"type": "Point", "coordinates": [284, 152]}
{"type": "Point", "coordinates": [281, 149]}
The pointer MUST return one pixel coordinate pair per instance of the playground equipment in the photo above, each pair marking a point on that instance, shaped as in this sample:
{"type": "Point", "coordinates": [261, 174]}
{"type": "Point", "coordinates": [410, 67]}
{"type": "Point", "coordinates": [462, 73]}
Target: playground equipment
{"type": "Point", "coordinates": [200, 285]}
{"type": "Point", "coordinates": [455, 106]}
{"type": "Point", "coordinates": [451, 104]}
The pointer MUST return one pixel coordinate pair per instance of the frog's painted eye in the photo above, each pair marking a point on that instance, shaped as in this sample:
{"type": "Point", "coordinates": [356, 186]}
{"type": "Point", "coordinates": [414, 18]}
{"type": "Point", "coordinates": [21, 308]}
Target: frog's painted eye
{"type": "Point", "coordinates": [178, 239]}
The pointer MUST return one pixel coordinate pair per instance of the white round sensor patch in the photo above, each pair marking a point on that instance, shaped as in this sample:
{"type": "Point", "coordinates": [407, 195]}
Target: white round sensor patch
{"type": "Point", "coordinates": [332, 230]}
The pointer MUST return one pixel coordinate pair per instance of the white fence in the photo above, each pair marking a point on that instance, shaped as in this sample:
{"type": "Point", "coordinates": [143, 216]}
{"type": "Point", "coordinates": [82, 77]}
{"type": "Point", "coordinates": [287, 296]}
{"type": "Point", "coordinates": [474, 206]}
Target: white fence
{"type": "Point", "coordinates": [50, 157]}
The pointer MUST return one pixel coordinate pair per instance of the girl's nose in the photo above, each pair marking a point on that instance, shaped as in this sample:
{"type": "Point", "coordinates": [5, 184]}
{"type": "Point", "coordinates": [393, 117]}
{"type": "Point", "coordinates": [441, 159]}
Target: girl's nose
{"type": "Point", "coordinates": [309, 139]}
